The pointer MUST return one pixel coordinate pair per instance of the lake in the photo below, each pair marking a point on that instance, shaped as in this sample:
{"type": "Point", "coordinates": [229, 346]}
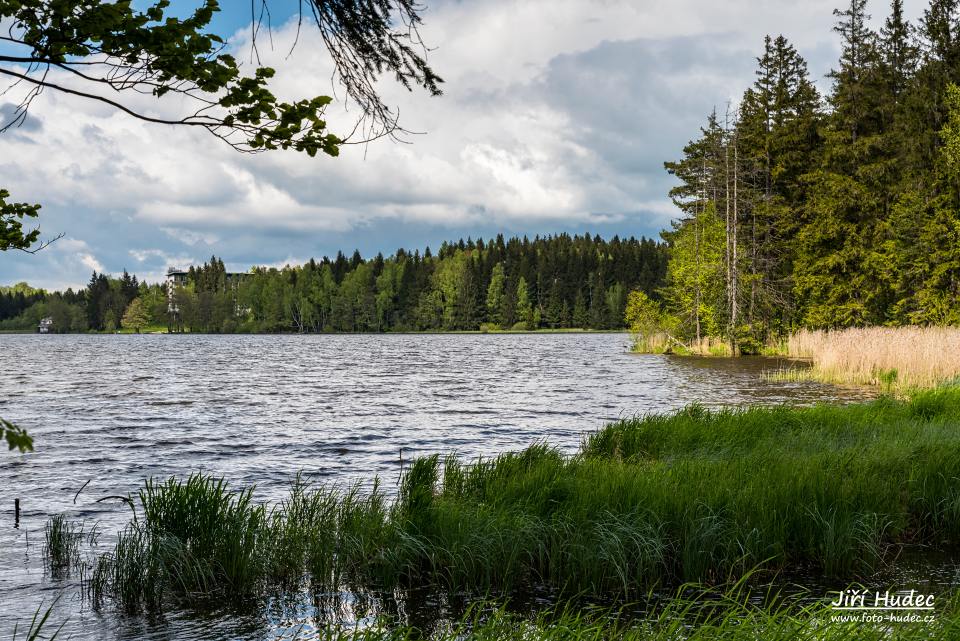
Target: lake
{"type": "Point", "coordinates": [113, 410]}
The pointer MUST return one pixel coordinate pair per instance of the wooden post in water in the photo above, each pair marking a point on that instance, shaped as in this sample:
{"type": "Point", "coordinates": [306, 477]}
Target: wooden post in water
{"type": "Point", "coordinates": [16, 513]}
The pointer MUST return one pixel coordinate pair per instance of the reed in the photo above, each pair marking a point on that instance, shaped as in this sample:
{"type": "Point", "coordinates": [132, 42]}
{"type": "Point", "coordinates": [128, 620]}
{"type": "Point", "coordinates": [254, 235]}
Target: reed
{"type": "Point", "coordinates": [35, 631]}
{"type": "Point", "coordinates": [653, 501]}
{"type": "Point", "coordinates": [61, 546]}
{"type": "Point", "coordinates": [196, 538]}
{"type": "Point", "coordinates": [699, 496]}
{"type": "Point", "coordinates": [898, 358]}
{"type": "Point", "coordinates": [709, 346]}
{"type": "Point", "coordinates": [663, 343]}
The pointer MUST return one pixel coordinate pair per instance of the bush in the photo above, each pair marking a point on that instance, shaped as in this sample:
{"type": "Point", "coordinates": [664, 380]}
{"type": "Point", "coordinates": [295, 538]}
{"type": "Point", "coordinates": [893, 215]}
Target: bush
{"type": "Point", "coordinates": [650, 325]}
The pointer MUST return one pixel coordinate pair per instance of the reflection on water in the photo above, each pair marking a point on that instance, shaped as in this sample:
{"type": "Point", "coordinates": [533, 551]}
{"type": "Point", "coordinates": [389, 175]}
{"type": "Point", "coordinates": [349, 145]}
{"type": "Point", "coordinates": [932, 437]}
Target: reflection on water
{"type": "Point", "coordinates": [114, 410]}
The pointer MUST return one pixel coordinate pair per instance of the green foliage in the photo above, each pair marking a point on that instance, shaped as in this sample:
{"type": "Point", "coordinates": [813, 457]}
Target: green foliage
{"type": "Point", "coordinates": [648, 322]}
{"type": "Point", "coordinates": [828, 217]}
{"type": "Point", "coordinates": [524, 307]}
{"type": "Point", "coordinates": [17, 438]}
{"type": "Point", "coordinates": [136, 316]}
{"type": "Point", "coordinates": [148, 51]}
{"type": "Point", "coordinates": [136, 50]}
{"type": "Point", "coordinates": [950, 133]}
{"type": "Point", "coordinates": [12, 215]}
{"type": "Point", "coordinates": [460, 288]}
{"type": "Point", "coordinates": [495, 293]}
{"type": "Point", "coordinates": [695, 287]}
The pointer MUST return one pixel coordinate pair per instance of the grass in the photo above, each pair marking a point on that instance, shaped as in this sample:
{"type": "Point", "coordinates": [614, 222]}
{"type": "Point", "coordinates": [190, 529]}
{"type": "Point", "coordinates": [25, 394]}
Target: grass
{"type": "Point", "coordinates": [661, 343]}
{"type": "Point", "coordinates": [691, 615]}
{"type": "Point", "coordinates": [196, 537]}
{"type": "Point", "coordinates": [695, 496]}
{"type": "Point", "coordinates": [895, 358]}
{"type": "Point", "coordinates": [146, 329]}
{"type": "Point", "coordinates": [35, 631]}
{"type": "Point", "coordinates": [62, 540]}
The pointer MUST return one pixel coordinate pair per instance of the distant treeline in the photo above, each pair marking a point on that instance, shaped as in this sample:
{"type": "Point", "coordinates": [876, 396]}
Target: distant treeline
{"type": "Point", "coordinates": [15, 300]}
{"type": "Point", "coordinates": [551, 282]}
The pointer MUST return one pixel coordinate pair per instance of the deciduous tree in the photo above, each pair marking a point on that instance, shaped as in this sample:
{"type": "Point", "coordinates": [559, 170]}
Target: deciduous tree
{"type": "Point", "coordinates": [136, 316]}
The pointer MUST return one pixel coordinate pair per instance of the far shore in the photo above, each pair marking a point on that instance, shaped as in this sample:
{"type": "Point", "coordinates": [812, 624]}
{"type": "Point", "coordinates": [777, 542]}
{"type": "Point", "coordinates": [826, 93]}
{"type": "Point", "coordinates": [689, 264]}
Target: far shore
{"type": "Point", "coordinates": [391, 333]}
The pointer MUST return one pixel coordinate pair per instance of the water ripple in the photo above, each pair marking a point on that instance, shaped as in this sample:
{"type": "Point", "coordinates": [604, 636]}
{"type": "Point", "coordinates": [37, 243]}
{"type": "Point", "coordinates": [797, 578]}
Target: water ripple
{"type": "Point", "coordinates": [258, 409]}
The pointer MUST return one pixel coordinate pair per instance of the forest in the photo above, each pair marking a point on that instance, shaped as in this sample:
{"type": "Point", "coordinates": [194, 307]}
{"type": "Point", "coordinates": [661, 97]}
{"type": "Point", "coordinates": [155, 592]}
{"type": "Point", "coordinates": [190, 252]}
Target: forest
{"type": "Point", "coordinates": [823, 212]}
{"type": "Point", "coordinates": [796, 210]}
{"type": "Point", "coordinates": [549, 282]}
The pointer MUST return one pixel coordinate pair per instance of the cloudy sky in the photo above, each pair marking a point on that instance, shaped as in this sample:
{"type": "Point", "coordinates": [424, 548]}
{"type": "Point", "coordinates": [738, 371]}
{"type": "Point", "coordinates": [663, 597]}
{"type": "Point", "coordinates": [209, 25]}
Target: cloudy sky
{"type": "Point", "coordinates": [557, 117]}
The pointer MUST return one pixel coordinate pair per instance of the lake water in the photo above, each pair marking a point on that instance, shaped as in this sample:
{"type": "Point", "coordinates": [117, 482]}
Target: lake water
{"type": "Point", "coordinates": [114, 410]}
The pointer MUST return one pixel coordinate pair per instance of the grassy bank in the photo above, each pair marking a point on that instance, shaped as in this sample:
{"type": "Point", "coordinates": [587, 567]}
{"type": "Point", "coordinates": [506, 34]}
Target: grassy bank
{"type": "Point", "coordinates": [694, 613]}
{"type": "Point", "coordinates": [691, 616]}
{"type": "Point", "coordinates": [695, 496]}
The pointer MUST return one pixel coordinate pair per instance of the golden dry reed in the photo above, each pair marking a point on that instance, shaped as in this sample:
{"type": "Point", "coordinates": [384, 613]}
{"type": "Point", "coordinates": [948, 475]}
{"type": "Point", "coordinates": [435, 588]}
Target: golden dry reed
{"type": "Point", "coordinates": [895, 357]}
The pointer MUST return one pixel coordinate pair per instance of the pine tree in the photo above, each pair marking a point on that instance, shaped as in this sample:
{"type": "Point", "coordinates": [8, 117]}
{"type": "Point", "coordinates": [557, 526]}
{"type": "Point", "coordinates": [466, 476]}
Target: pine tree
{"type": "Point", "coordinates": [899, 54]}
{"type": "Point", "coordinates": [598, 309]}
{"type": "Point", "coordinates": [580, 319]}
{"type": "Point", "coordinates": [777, 142]}
{"type": "Point", "coordinates": [838, 276]}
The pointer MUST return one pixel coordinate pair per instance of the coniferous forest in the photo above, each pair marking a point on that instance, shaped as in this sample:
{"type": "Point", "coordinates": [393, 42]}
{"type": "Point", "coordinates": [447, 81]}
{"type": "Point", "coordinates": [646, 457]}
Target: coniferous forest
{"type": "Point", "coordinates": [553, 282]}
{"type": "Point", "coordinates": [810, 211]}
{"type": "Point", "coordinates": [796, 210]}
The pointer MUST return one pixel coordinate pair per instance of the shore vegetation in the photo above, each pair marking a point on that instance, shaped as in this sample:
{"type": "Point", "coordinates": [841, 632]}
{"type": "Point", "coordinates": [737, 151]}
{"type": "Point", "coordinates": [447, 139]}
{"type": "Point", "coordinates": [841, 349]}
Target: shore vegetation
{"type": "Point", "coordinates": [896, 358]}
{"type": "Point", "coordinates": [646, 503]}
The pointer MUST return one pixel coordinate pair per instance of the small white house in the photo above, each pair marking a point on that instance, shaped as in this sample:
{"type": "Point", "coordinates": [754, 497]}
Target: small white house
{"type": "Point", "coordinates": [46, 325]}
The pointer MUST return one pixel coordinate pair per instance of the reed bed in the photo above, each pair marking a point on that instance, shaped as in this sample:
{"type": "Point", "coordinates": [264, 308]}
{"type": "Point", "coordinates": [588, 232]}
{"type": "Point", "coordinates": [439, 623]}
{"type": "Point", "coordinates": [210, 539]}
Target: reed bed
{"type": "Point", "coordinates": [709, 346]}
{"type": "Point", "coordinates": [895, 357]}
{"type": "Point", "coordinates": [662, 343]}
{"type": "Point", "coordinates": [694, 496]}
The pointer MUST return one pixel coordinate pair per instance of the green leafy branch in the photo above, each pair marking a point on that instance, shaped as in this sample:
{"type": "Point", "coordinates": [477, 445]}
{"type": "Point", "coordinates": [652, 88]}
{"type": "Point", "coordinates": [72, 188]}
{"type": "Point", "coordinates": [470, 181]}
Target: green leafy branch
{"type": "Point", "coordinates": [15, 436]}
{"type": "Point", "coordinates": [110, 48]}
{"type": "Point", "coordinates": [12, 234]}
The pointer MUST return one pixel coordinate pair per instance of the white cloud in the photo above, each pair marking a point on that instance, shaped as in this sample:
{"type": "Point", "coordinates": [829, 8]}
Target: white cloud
{"type": "Point", "coordinates": [90, 261]}
{"type": "Point", "coordinates": [190, 237]}
{"type": "Point", "coordinates": [557, 115]}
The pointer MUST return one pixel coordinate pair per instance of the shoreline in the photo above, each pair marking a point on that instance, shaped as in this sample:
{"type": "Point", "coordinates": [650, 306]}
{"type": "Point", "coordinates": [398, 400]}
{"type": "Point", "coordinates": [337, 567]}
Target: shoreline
{"type": "Point", "coordinates": [390, 333]}
{"type": "Point", "coordinates": [694, 498]}
{"type": "Point", "coordinates": [667, 464]}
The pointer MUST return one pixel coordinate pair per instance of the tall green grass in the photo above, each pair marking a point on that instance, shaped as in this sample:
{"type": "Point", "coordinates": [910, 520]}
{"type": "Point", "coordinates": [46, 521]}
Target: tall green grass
{"type": "Point", "coordinates": [695, 496]}
{"type": "Point", "coordinates": [38, 628]}
{"type": "Point", "coordinates": [61, 544]}
{"type": "Point", "coordinates": [691, 615]}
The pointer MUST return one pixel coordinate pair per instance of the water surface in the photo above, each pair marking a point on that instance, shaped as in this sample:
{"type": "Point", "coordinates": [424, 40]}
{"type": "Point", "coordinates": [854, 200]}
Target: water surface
{"type": "Point", "coordinates": [113, 410]}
